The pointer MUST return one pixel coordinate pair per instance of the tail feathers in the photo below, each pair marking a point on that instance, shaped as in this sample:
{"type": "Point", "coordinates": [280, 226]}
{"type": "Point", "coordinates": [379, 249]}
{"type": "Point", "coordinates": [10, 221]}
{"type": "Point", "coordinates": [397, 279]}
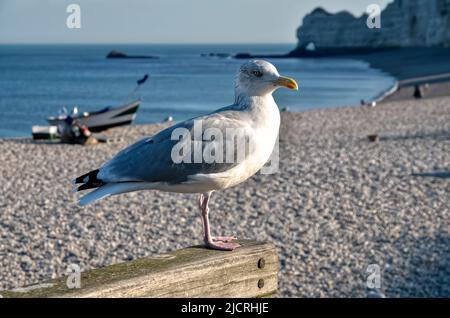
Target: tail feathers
{"type": "Point", "coordinates": [109, 189]}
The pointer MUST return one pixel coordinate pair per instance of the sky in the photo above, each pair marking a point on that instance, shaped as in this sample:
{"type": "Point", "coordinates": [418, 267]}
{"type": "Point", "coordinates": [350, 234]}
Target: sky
{"type": "Point", "coordinates": [163, 21]}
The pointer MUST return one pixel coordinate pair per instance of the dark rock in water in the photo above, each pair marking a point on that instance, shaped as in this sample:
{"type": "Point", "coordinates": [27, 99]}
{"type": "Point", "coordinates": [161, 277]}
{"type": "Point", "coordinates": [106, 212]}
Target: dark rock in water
{"type": "Point", "coordinates": [218, 55]}
{"type": "Point", "coordinates": [117, 54]}
{"type": "Point", "coordinates": [260, 56]}
{"type": "Point", "coordinates": [316, 53]}
{"type": "Point", "coordinates": [243, 56]}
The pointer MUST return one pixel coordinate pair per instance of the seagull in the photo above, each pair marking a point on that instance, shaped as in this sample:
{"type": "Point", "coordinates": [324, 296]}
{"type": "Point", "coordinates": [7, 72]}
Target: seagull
{"type": "Point", "coordinates": [165, 161]}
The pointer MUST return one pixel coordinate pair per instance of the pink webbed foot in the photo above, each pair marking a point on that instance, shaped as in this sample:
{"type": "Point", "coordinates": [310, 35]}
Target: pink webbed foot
{"type": "Point", "coordinates": [222, 245]}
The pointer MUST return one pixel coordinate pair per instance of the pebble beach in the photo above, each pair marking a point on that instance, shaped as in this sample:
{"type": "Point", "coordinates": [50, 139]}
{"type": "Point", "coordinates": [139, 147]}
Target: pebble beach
{"type": "Point", "coordinates": [337, 204]}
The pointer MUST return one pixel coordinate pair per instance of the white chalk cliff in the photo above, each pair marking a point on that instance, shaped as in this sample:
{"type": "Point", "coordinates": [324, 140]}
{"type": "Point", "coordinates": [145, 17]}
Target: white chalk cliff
{"type": "Point", "coordinates": [404, 23]}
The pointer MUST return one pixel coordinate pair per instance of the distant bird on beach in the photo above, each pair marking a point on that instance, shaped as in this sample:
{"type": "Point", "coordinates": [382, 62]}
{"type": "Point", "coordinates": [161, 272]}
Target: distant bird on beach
{"type": "Point", "coordinates": [153, 163]}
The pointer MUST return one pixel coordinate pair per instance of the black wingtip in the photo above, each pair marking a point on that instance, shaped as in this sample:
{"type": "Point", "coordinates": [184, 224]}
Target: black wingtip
{"type": "Point", "coordinates": [92, 175]}
{"type": "Point", "coordinates": [89, 181]}
{"type": "Point", "coordinates": [87, 186]}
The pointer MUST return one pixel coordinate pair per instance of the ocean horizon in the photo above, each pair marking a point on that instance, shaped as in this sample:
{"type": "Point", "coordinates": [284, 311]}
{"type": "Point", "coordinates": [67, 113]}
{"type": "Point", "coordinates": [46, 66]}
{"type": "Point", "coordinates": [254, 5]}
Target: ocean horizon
{"type": "Point", "coordinates": [36, 81]}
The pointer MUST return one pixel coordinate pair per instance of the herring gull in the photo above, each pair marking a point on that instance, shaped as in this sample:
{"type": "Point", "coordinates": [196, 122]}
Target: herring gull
{"type": "Point", "coordinates": [176, 159]}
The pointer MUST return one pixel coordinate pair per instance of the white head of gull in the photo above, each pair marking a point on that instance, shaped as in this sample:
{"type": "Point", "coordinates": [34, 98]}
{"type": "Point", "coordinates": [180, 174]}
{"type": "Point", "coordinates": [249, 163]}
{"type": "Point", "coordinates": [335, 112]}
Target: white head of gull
{"type": "Point", "coordinates": [149, 164]}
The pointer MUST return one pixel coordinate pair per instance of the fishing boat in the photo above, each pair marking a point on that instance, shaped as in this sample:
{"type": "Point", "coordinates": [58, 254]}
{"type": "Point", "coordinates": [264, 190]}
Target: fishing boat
{"type": "Point", "coordinates": [103, 119]}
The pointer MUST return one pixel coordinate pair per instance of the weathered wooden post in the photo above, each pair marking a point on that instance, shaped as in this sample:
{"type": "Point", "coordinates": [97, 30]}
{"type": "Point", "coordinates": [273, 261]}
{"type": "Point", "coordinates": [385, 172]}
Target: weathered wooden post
{"type": "Point", "coordinates": [249, 271]}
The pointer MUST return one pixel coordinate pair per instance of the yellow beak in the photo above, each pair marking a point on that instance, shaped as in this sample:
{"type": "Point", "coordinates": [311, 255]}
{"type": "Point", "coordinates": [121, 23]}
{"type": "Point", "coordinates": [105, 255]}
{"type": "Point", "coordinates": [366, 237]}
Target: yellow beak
{"type": "Point", "coordinates": [286, 82]}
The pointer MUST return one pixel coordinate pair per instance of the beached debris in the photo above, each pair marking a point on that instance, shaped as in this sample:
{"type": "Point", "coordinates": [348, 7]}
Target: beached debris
{"type": "Point", "coordinates": [121, 55]}
{"type": "Point", "coordinates": [420, 90]}
{"type": "Point", "coordinates": [373, 138]}
{"type": "Point", "coordinates": [369, 104]}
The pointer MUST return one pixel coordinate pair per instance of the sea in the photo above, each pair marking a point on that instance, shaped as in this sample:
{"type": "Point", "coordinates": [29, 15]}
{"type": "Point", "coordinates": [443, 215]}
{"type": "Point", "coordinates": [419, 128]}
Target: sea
{"type": "Point", "coordinates": [184, 81]}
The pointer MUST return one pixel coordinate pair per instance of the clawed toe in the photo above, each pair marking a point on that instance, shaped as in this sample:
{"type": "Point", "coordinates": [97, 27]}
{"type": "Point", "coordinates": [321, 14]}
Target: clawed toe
{"type": "Point", "coordinates": [223, 239]}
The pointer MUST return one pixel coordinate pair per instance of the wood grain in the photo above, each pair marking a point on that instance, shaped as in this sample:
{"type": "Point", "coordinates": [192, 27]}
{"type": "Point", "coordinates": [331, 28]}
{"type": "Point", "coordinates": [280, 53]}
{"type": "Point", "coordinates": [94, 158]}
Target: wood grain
{"type": "Point", "coordinates": [249, 271]}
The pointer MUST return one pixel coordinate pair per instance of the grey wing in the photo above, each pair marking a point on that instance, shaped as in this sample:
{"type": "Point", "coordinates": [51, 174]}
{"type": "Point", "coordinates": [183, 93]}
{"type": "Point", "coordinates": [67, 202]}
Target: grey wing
{"type": "Point", "coordinates": [150, 159]}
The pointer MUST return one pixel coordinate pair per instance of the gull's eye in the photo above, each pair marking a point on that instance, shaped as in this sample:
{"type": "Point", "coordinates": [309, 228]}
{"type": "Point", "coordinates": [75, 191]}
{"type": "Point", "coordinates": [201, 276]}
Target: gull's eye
{"type": "Point", "coordinates": [257, 73]}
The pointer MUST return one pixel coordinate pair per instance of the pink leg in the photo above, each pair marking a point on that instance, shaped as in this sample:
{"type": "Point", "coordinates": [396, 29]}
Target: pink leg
{"type": "Point", "coordinates": [217, 243]}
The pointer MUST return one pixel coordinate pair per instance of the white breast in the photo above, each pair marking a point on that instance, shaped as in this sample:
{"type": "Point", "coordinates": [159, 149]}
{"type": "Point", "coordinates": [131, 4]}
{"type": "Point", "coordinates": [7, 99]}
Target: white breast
{"type": "Point", "coordinates": [264, 133]}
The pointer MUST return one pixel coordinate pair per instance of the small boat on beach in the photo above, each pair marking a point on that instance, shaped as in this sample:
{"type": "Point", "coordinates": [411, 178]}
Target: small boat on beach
{"type": "Point", "coordinates": [103, 119]}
